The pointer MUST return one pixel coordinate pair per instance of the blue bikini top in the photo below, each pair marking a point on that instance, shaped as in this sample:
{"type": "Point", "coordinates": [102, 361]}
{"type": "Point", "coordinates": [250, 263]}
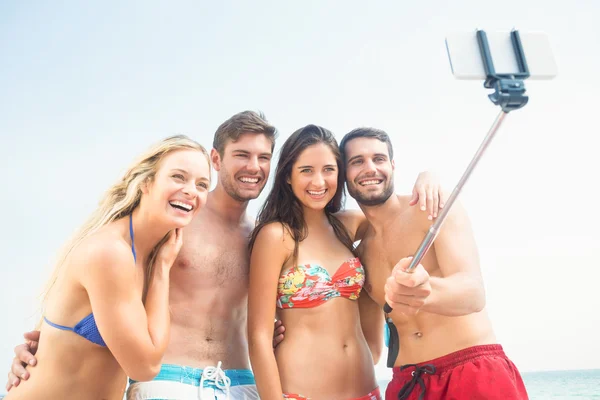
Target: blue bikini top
{"type": "Point", "coordinates": [87, 327]}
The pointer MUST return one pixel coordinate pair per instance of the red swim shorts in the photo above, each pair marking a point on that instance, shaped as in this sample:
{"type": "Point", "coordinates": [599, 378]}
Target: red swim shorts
{"type": "Point", "coordinates": [474, 373]}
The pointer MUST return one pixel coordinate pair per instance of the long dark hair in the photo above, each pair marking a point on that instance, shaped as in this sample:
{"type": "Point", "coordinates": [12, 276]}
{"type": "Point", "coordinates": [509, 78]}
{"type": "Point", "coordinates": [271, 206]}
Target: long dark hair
{"type": "Point", "coordinates": [283, 206]}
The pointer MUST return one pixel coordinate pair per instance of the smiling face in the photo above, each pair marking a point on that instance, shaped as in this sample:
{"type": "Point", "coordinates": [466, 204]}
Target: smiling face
{"type": "Point", "coordinates": [314, 176]}
{"type": "Point", "coordinates": [179, 187]}
{"type": "Point", "coordinates": [245, 165]}
{"type": "Point", "coordinates": [369, 171]}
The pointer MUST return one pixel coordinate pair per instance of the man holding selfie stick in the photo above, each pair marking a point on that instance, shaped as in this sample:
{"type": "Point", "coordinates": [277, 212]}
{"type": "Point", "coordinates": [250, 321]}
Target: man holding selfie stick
{"type": "Point", "coordinates": [442, 345]}
{"type": "Point", "coordinates": [448, 349]}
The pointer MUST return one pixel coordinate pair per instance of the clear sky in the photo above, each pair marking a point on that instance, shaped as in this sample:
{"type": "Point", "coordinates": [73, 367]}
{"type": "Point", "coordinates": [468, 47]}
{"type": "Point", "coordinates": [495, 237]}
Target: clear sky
{"type": "Point", "coordinates": [85, 87]}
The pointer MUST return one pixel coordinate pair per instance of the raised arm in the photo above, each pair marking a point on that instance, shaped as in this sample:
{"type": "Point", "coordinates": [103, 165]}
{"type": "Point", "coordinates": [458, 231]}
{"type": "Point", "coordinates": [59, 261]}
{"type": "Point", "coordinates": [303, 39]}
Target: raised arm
{"type": "Point", "coordinates": [460, 290]}
{"type": "Point", "coordinates": [271, 250]}
{"type": "Point", "coordinates": [137, 335]}
{"type": "Point", "coordinates": [371, 321]}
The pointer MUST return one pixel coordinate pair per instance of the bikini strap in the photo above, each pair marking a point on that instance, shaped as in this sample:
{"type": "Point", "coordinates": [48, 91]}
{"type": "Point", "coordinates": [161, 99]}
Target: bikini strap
{"type": "Point", "coordinates": [57, 326]}
{"type": "Point", "coordinates": [131, 234]}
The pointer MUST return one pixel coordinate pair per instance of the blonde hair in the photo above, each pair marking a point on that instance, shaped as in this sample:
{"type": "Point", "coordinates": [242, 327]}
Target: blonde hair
{"type": "Point", "coordinates": [122, 198]}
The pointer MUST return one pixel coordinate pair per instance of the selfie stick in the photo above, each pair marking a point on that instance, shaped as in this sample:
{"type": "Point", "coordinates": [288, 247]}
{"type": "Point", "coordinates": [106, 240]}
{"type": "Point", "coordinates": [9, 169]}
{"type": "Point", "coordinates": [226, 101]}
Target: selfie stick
{"type": "Point", "coordinates": [509, 94]}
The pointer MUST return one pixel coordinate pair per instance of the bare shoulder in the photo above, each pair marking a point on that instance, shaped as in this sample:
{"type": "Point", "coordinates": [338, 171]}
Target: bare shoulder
{"type": "Point", "coordinates": [411, 214]}
{"type": "Point", "coordinates": [405, 210]}
{"type": "Point", "coordinates": [457, 214]}
{"type": "Point", "coordinates": [354, 221]}
{"type": "Point", "coordinates": [103, 254]}
{"type": "Point", "coordinates": [350, 216]}
{"type": "Point", "coordinates": [275, 234]}
{"type": "Point", "coordinates": [274, 245]}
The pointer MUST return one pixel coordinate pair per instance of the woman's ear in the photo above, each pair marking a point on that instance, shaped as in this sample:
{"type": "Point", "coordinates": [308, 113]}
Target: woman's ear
{"type": "Point", "coordinates": [144, 187]}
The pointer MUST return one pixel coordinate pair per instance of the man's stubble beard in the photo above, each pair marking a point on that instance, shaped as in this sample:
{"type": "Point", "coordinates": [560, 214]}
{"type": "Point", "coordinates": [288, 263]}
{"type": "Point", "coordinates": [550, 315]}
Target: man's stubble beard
{"type": "Point", "coordinates": [227, 180]}
{"type": "Point", "coordinates": [361, 199]}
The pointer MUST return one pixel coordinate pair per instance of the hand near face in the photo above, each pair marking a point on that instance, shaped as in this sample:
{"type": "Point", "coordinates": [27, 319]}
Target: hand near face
{"type": "Point", "coordinates": [169, 251]}
{"type": "Point", "coordinates": [428, 194]}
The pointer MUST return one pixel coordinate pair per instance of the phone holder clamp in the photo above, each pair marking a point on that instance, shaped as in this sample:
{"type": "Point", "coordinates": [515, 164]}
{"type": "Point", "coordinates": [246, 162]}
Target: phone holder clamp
{"type": "Point", "coordinates": [509, 89]}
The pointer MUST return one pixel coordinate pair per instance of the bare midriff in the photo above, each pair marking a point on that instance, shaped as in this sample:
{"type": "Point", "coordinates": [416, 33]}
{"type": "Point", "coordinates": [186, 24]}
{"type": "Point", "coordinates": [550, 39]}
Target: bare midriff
{"type": "Point", "coordinates": [61, 372]}
{"type": "Point", "coordinates": [208, 321]}
{"type": "Point", "coordinates": [324, 354]}
{"type": "Point", "coordinates": [429, 336]}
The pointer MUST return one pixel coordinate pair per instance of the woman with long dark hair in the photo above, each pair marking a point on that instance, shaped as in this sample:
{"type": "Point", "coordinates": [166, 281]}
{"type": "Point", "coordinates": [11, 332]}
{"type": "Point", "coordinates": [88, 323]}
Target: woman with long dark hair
{"type": "Point", "coordinates": [303, 269]}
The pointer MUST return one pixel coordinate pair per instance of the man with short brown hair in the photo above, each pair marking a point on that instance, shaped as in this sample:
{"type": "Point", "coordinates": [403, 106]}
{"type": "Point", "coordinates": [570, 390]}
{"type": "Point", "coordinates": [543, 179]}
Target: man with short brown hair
{"type": "Point", "coordinates": [207, 356]}
{"type": "Point", "coordinates": [447, 347]}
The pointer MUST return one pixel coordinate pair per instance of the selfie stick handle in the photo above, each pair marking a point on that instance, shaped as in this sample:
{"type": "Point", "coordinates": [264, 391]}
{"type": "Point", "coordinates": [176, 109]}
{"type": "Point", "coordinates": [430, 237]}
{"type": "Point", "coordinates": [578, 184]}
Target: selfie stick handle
{"type": "Point", "coordinates": [509, 94]}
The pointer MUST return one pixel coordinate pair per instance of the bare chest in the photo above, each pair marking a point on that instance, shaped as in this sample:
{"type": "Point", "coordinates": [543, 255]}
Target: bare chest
{"type": "Point", "coordinates": [380, 252]}
{"type": "Point", "coordinates": [211, 258]}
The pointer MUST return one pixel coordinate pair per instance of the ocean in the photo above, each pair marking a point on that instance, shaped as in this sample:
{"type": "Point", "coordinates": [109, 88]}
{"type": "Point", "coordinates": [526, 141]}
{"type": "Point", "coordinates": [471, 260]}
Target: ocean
{"type": "Point", "coordinates": [552, 385]}
{"type": "Point", "coordinates": [557, 385]}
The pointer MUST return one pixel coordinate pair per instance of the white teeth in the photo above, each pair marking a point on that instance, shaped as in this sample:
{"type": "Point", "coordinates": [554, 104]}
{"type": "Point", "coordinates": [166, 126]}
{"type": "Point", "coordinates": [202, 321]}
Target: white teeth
{"type": "Point", "coordinates": [371, 182]}
{"type": "Point", "coordinates": [313, 193]}
{"type": "Point", "coordinates": [249, 180]}
{"type": "Point", "coordinates": [182, 205]}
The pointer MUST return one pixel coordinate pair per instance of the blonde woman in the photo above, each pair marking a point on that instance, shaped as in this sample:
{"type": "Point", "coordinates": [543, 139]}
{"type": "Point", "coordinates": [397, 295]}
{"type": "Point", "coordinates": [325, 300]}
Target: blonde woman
{"type": "Point", "coordinates": [106, 311]}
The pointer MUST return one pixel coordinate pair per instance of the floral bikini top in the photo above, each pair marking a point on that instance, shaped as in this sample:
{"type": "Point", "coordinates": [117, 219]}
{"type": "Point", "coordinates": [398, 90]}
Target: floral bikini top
{"type": "Point", "coordinates": [310, 285]}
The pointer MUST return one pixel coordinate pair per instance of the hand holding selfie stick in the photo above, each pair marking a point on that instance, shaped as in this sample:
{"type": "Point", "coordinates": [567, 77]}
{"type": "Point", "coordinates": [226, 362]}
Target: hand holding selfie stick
{"type": "Point", "coordinates": [509, 94]}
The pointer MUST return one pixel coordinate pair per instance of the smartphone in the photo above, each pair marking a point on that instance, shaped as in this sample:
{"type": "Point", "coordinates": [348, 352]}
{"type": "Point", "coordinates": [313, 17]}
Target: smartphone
{"type": "Point", "coordinates": [466, 62]}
